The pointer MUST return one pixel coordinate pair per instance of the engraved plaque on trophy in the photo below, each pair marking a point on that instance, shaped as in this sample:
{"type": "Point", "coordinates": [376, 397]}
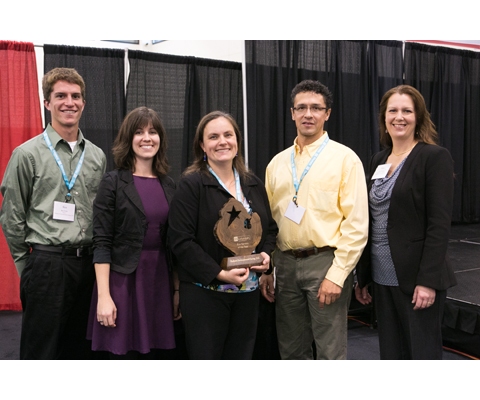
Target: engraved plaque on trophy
{"type": "Point", "coordinates": [239, 232]}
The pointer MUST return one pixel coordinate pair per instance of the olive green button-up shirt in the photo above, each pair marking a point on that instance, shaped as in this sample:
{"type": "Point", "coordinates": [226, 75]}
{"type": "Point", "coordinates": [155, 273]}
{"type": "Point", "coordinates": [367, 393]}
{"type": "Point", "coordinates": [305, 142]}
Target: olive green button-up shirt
{"type": "Point", "coordinates": [33, 182]}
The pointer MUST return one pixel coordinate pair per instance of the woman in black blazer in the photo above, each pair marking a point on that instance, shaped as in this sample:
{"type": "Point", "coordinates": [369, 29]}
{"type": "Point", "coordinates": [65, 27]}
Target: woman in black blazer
{"type": "Point", "coordinates": [410, 200]}
{"type": "Point", "coordinates": [219, 306]}
{"type": "Point", "coordinates": [135, 299]}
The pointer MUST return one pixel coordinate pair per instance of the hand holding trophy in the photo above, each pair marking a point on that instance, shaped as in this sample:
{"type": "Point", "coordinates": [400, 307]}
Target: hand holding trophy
{"type": "Point", "coordinates": [240, 233]}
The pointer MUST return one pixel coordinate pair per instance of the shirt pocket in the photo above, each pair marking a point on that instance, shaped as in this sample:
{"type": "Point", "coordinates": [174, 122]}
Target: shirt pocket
{"type": "Point", "coordinates": [322, 197]}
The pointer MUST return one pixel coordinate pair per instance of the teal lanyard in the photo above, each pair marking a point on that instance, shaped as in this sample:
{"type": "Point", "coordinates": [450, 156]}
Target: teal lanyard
{"type": "Point", "coordinates": [296, 182]}
{"type": "Point", "coordinates": [238, 187]}
{"type": "Point", "coordinates": [68, 183]}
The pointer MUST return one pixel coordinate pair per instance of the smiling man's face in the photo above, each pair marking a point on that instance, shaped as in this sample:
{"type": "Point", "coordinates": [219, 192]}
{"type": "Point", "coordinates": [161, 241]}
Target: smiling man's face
{"type": "Point", "coordinates": [310, 123]}
{"type": "Point", "coordinates": [66, 105]}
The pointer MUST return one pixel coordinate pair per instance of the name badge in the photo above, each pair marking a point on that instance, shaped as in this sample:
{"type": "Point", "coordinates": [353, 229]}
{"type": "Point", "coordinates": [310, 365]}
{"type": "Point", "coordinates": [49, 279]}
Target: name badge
{"type": "Point", "coordinates": [63, 211]}
{"type": "Point", "coordinates": [381, 171]}
{"type": "Point", "coordinates": [294, 212]}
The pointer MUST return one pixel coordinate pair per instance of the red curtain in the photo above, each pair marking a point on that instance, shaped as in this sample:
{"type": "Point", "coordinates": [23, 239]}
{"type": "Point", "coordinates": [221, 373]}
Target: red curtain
{"type": "Point", "coordinates": [20, 120]}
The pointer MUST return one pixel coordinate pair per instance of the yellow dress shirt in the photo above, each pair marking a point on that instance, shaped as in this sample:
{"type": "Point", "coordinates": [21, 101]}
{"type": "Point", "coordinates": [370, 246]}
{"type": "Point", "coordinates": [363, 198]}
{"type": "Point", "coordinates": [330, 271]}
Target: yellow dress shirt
{"type": "Point", "coordinates": [334, 194]}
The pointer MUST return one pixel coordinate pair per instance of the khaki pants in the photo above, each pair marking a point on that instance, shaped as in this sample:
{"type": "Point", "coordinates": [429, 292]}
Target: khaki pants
{"type": "Point", "coordinates": [299, 319]}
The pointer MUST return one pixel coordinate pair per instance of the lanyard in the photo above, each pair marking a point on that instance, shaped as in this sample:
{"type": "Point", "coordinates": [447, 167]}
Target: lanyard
{"type": "Point", "coordinates": [238, 187]}
{"type": "Point", "coordinates": [68, 183]}
{"type": "Point", "coordinates": [297, 183]}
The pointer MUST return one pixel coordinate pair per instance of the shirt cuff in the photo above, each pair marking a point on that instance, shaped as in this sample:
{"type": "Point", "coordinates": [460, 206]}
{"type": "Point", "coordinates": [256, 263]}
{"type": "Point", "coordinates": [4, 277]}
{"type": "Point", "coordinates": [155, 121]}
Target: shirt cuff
{"type": "Point", "coordinates": [102, 255]}
{"type": "Point", "coordinates": [337, 275]}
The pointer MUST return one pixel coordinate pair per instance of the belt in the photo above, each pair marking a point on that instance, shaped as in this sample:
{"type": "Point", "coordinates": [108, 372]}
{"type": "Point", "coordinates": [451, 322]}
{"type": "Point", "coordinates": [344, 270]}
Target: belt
{"type": "Point", "coordinates": [66, 251]}
{"type": "Point", "coordinates": [303, 253]}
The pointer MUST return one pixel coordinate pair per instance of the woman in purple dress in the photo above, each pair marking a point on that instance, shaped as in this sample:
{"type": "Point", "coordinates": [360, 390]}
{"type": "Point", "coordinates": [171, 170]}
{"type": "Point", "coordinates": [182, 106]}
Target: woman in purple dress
{"type": "Point", "coordinates": [135, 299]}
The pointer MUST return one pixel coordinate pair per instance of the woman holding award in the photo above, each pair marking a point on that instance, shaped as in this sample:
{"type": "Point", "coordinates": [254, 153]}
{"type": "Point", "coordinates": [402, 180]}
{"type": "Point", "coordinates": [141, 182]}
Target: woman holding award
{"type": "Point", "coordinates": [219, 306]}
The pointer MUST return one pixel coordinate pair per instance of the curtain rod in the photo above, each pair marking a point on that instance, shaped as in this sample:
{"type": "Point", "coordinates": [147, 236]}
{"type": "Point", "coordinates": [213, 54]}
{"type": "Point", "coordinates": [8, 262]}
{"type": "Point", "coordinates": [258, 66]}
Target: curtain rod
{"type": "Point", "coordinates": [41, 46]}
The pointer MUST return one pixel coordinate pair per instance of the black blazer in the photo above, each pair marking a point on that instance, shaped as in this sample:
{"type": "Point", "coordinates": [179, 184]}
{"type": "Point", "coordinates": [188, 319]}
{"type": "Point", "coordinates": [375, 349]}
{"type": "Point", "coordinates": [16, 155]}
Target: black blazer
{"type": "Point", "coordinates": [419, 220]}
{"type": "Point", "coordinates": [193, 214]}
{"type": "Point", "coordinates": [119, 221]}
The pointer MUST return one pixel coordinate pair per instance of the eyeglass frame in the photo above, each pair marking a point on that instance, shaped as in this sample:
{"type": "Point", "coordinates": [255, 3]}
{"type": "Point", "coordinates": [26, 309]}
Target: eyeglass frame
{"type": "Point", "coordinates": [314, 109]}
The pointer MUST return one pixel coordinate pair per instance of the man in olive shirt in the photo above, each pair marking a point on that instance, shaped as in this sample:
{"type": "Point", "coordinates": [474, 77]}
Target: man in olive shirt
{"type": "Point", "coordinates": [46, 216]}
{"type": "Point", "coordinates": [318, 197]}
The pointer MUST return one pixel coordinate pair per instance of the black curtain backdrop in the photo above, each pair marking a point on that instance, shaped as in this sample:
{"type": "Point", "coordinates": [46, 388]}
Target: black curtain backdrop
{"type": "Point", "coordinates": [356, 72]}
{"type": "Point", "coordinates": [449, 80]}
{"type": "Point", "coordinates": [103, 71]}
{"type": "Point", "coordinates": [182, 90]}
{"type": "Point", "coordinates": [385, 71]}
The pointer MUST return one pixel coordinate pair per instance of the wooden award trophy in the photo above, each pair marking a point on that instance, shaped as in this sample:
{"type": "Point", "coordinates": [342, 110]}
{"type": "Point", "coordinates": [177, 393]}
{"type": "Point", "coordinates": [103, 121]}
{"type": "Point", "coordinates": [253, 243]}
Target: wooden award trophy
{"type": "Point", "coordinates": [239, 232]}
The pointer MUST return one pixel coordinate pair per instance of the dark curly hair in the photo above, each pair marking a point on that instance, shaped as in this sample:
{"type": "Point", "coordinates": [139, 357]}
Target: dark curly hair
{"type": "Point", "coordinates": [315, 87]}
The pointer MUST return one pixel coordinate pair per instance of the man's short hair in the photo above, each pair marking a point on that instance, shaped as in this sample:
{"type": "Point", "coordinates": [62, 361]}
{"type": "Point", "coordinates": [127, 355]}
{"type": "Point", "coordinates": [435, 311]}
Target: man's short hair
{"type": "Point", "coordinates": [315, 87]}
{"type": "Point", "coordinates": [69, 75]}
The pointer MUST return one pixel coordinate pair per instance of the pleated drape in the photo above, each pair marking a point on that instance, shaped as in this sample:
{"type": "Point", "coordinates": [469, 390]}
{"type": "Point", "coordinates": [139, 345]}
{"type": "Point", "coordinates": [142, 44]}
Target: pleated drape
{"type": "Point", "coordinates": [20, 120]}
{"type": "Point", "coordinates": [182, 90]}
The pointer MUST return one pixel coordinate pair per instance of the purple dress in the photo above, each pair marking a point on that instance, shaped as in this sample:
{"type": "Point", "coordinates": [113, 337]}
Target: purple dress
{"type": "Point", "coordinates": [144, 297]}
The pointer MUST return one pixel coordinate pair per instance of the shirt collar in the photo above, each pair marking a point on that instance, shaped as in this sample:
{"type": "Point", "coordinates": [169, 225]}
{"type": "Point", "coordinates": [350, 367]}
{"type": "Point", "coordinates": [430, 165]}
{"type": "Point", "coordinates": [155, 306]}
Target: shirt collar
{"type": "Point", "coordinates": [55, 137]}
{"type": "Point", "coordinates": [311, 148]}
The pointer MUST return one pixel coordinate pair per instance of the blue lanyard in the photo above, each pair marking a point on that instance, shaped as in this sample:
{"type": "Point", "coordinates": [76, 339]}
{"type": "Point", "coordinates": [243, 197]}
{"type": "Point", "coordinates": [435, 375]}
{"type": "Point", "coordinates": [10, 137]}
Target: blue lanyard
{"type": "Point", "coordinates": [68, 183]}
{"type": "Point", "coordinates": [238, 187]}
{"type": "Point", "coordinates": [297, 183]}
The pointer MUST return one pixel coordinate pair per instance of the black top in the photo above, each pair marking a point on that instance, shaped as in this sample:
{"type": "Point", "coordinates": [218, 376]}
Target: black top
{"type": "Point", "coordinates": [419, 220]}
{"type": "Point", "coordinates": [195, 210]}
{"type": "Point", "coordinates": [119, 221]}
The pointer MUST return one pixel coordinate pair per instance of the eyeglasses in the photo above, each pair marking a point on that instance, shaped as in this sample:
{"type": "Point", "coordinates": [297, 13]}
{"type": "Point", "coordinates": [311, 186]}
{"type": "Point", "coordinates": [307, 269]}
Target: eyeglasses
{"type": "Point", "coordinates": [314, 109]}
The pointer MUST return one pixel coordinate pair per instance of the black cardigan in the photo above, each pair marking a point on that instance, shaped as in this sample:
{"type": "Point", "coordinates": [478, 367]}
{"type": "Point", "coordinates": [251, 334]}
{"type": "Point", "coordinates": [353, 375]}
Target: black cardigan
{"type": "Point", "coordinates": [419, 220]}
{"type": "Point", "coordinates": [119, 221]}
{"type": "Point", "coordinates": [193, 214]}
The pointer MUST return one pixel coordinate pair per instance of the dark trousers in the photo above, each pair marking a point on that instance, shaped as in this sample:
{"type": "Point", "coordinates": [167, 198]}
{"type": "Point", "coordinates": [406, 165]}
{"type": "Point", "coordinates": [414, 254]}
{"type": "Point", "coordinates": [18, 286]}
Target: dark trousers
{"type": "Point", "coordinates": [266, 343]}
{"type": "Point", "coordinates": [218, 326]}
{"type": "Point", "coordinates": [405, 334]}
{"type": "Point", "coordinates": [56, 292]}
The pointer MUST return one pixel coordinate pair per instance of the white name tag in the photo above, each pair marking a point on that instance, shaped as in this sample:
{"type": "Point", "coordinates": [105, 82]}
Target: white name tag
{"type": "Point", "coordinates": [63, 211]}
{"type": "Point", "coordinates": [381, 171]}
{"type": "Point", "coordinates": [294, 212]}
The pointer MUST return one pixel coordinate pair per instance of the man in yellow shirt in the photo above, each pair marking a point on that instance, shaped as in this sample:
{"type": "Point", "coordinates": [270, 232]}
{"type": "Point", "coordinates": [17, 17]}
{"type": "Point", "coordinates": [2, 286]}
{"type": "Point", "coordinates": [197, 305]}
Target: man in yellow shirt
{"type": "Point", "coordinates": [318, 196]}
